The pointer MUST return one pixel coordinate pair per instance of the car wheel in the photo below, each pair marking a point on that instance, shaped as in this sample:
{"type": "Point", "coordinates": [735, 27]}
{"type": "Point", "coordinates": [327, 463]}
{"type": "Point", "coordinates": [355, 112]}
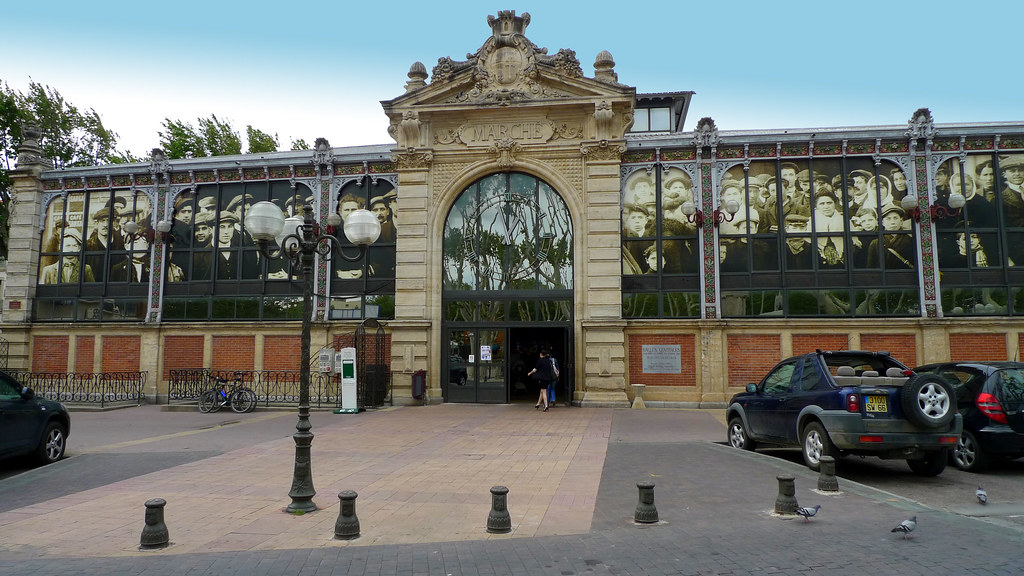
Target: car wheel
{"type": "Point", "coordinates": [738, 437]}
{"type": "Point", "coordinates": [461, 381]}
{"type": "Point", "coordinates": [51, 446]}
{"type": "Point", "coordinates": [968, 455]}
{"type": "Point", "coordinates": [816, 444]}
{"type": "Point", "coordinates": [928, 401]}
{"type": "Point", "coordinates": [931, 465]}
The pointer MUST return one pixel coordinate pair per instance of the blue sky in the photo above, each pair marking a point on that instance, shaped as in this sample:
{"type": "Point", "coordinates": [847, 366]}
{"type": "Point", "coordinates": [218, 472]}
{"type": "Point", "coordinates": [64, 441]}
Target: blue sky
{"type": "Point", "coordinates": [315, 68]}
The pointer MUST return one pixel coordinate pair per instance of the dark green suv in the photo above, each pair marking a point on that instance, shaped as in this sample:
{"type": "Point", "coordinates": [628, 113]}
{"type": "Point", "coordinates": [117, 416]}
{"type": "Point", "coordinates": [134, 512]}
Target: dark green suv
{"type": "Point", "coordinates": [30, 425]}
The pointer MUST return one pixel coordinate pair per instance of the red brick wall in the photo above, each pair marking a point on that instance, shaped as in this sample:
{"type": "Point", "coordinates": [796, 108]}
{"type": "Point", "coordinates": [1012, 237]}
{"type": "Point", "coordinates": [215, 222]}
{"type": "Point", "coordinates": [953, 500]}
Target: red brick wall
{"type": "Point", "coordinates": [50, 354]}
{"type": "Point", "coordinates": [688, 377]}
{"type": "Point", "coordinates": [977, 347]}
{"type": "Point", "coordinates": [121, 353]}
{"type": "Point", "coordinates": [282, 352]}
{"type": "Point", "coordinates": [182, 353]}
{"type": "Point", "coordinates": [84, 347]}
{"type": "Point", "coordinates": [751, 356]}
{"type": "Point", "coordinates": [233, 352]}
{"type": "Point", "coordinates": [804, 343]}
{"type": "Point", "coordinates": [903, 347]}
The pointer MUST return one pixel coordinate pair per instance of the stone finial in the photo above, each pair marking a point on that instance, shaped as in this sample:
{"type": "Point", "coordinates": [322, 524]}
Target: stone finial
{"type": "Point", "coordinates": [506, 23]}
{"type": "Point", "coordinates": [322, 152]}
{"type": "Point", "coordinates": [30, 153]}
{"type": "Point", "coordinates": [706, 133]}
{"type": "Point", "coordinates": [604, 68]}
{"type": "Point", "coordinates": [921, 124]}
{"type": "Point", "coordinates": [417, 77]}
{"type": "Point", "coordinates": [158, 163]}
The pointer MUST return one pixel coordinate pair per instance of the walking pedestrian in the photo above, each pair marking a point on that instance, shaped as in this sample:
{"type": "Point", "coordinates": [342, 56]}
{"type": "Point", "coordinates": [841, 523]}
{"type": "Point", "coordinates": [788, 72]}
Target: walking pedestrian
{"type": "Point", "coordinates": [543, 372]}
{"type": "Point", "coordinates": [553, 383]}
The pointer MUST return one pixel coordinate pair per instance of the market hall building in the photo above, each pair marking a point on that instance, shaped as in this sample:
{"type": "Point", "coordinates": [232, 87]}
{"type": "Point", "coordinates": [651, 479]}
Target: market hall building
{"type": "Point", "coordinates": [527, 205]}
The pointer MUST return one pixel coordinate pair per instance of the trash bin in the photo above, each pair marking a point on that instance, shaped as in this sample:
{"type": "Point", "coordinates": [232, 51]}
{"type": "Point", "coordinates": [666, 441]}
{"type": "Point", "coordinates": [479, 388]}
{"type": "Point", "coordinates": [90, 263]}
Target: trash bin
{"type": "Point", "coordinates": [419, 384]}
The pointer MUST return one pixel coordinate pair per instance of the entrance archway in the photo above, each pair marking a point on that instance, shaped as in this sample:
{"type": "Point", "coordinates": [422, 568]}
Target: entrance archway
{"type": "Point", "coordinates": [507, 288]}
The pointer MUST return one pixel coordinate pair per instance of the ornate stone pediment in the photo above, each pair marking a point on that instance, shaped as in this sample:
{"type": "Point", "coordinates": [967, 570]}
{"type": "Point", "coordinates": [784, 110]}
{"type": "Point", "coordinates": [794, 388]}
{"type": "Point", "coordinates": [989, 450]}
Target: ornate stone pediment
{"type": "Point", "coordinates": [507, 68]}
{"type": "Point", "coordinates": [467, 102]}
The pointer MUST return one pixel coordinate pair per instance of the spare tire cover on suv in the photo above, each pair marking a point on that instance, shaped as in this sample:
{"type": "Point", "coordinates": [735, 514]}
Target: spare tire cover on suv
{"type": "Point", "coordinates": [928, 401]}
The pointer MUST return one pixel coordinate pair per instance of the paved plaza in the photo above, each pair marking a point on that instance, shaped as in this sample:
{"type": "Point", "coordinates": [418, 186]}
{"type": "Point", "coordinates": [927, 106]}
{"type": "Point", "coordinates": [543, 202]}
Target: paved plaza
{"type": "Point", "coordinates": [423, 476]}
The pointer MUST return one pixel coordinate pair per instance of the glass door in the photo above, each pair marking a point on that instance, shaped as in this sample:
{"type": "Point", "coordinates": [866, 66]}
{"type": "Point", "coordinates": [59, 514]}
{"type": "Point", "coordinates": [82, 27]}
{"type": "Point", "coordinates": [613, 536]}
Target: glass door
{"type": "Point", "coordinates": [475, 367]}
{"type": "Point", "coordinates": [492, 386]}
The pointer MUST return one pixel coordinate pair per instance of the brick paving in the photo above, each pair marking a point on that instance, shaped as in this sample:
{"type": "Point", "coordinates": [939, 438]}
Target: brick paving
{"type": "Point", "coordinates": [423, 476]}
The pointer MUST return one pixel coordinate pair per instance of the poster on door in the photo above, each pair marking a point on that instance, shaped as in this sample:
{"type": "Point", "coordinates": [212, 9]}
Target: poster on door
{"type": "Point", "coordinates": [485, 353]}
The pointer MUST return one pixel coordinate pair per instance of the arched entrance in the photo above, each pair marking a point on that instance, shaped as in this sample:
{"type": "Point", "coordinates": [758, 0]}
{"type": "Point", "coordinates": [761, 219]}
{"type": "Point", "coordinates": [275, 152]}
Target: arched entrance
{"type": "Point", "coordinates": [506, 288]}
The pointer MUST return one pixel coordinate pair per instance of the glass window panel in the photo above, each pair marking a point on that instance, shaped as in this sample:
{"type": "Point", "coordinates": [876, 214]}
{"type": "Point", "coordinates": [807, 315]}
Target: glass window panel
{"type": "Point", "coordinates": [973, 301]}
{"type": "Point", "coordinates": [1015, 248]}
{"type": "Point", "coordinates": [554, 310]}
{"type": "Point", "coordinates": [641, 122]}
{"type": "Point", "coordinates": [521, 311]}
{"type": "Point", "coordinates": [492, 311]}
{"type": "Point", "coordinates": [384, 303]}
{"type": "Point", "coordinates": [639, 305]}
{"type": "Point", "coordinates": [661, 119]}
{"type": "Point", "coordinates": [282, 308]}
{"type": "Point", "coordinates": [460, 311]}
{"type": "Point", "coordinates": [798, 252]}
{"type": "Point", "coordinates": [681, 304]}
{"type": "Point", "coordinates": [198, 309]}
{"type": "Point", "coordinates": [887, 302]}
{"type": "Point", "coordinates": [678, 257]}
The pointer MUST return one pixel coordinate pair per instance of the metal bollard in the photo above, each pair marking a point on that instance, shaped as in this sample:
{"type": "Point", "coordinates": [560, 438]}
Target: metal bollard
{"type": "Point", "coordinates": [827, 481]}
{"type": "Point", "coordinates": [785, 503]}
{"type": "Point", "coordinates": [646, 513]}
{"type": "Point", "coordinates": [154, 533]}
{"type": "Point", "coordinates": [499, 521]}
{"type": "Point", "coordinates": [347, 526]}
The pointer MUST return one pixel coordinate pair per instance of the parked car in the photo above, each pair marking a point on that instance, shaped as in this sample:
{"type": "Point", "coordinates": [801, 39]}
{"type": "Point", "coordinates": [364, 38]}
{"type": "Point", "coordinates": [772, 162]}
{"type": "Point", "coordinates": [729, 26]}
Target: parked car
{"type": "Point", "coordinates": [849, 402]}
{"type": "Point", "coordinates": [990, 397]}
{"type": "Point", "coordinates": [31, 425]}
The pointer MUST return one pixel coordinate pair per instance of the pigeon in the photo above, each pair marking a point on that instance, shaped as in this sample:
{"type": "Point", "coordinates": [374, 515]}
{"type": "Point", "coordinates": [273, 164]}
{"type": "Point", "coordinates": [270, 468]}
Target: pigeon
{"type": "Point", "coordinates": [807, 512]}
{"type": "Point", "coordinates": [906, 527]}
{"type": "Point", "coordinates": [982, 495]}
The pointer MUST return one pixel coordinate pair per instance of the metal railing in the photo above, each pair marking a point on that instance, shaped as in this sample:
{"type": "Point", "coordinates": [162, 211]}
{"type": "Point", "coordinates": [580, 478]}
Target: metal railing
{"type": "Point", "coordinates": [103, 388]}
{"type": "Point", "coordinates": [276, 387]}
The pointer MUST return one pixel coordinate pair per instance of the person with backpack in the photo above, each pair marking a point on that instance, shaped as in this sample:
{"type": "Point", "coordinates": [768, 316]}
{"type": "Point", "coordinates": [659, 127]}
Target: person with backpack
{"type": "Point", "coordinates": [553, 383]}
{"type": "Point", "coordinates": [543, 372]}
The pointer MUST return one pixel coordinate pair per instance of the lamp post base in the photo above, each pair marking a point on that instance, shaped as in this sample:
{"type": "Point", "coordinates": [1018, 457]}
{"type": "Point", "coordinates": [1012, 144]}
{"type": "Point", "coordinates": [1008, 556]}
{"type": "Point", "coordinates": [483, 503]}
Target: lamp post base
{"type": "Point", "coordinates": [302, 491]}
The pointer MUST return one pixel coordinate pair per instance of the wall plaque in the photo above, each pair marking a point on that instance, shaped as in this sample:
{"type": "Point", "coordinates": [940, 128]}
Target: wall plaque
{"type": "Point", "coordinates": [662, 359]}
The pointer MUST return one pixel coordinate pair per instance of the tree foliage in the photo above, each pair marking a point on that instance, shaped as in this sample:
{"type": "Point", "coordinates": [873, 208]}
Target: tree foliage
{"type": "Point", "coordinates": [300, 144]}
{"type": "Point", "coordinates": [71, 136]}
{"type": "Point", "coordinates": [211, 137]}
{"type": "Point", "coordinates": [260, 141]}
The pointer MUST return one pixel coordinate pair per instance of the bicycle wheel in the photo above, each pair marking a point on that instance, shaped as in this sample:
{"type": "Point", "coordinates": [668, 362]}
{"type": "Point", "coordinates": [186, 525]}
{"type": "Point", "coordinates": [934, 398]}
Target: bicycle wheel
{"type": "Point", "coordinates": [243, 400]}
{"type": "Point", "coordinates": [208, 401]}
{"type": "Point", "coordinates": [251, 399]}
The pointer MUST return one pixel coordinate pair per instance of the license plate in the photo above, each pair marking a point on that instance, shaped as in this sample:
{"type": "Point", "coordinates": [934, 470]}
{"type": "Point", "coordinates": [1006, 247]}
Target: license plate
{"type": "Point", "coordinates": [876, 404]}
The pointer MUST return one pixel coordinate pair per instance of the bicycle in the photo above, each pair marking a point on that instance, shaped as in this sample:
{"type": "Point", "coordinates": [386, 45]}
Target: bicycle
{"type": "Point", "coordinates": [240, 398]}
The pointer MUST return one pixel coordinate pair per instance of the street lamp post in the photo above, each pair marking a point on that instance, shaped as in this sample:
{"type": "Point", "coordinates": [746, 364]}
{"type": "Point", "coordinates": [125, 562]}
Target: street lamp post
{"type": "Point", "coordinates": [299, 239]}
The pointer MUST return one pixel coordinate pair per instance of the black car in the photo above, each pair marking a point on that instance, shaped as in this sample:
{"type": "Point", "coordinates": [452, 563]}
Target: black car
{"type": "Point", "coordinates": [990, 396]}
{"type": "Point", "coordinates": [31, 425]}
{"type": "Point", "coordinates": [832, 403]}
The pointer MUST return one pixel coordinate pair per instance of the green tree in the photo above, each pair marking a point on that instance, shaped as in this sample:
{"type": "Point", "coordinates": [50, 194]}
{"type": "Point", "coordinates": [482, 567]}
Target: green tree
{"type": "Point", "coordinates": [70, 137]}
{"type": "Point", "coordinates": [260, 141]}
{"type": "Point", "coordinates": [220, 138]}
{"type": "Point", "coordinates": [180, 140]}
{"type": "Point", "coordinates": [300, 144]}
{"type": "Point", "coordinates": [211, 137]}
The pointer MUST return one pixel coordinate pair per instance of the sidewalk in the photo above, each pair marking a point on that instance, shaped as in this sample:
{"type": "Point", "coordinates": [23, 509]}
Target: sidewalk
{"type": "Point", "coordinates": [423, 476]}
